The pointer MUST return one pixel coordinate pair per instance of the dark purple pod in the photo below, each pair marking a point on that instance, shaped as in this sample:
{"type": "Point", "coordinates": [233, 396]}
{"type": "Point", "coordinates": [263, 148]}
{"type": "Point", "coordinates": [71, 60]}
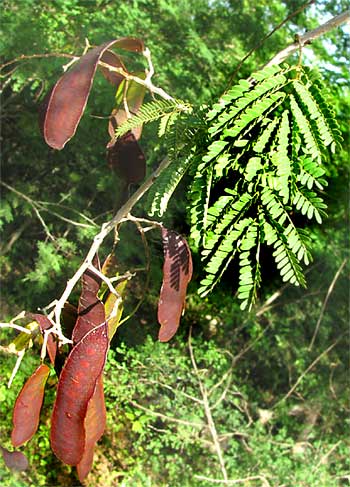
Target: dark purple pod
{"type": "Point", "coordinates": [64, 105]}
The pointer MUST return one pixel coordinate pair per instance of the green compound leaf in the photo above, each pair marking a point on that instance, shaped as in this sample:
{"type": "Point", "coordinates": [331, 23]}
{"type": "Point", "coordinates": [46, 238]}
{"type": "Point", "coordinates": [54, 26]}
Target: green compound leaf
{"type": "Point", "coordinates": [268, 144]}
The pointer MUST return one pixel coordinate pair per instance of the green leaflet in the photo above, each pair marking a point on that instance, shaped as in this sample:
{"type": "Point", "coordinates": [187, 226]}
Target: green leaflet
{"type": "Point", "coordinates": [268, 146]}
{"type": "Point", "coordinates": [179, 131]}
{"type": "Point", "coordinates": [151, 111]}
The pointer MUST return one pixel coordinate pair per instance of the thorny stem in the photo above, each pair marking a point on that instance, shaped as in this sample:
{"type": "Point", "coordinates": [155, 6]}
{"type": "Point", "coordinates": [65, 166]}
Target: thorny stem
{"type": "Point", "coordinates": [16, 327]}
{"type": "Point", "coordinates": [106, 228]}
{"type": "Point", "coordinates": [147, 83]}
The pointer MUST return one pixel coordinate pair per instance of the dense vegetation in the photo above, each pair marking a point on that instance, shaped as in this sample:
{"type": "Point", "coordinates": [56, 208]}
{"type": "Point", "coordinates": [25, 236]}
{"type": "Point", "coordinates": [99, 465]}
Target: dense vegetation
{"type": "Point", "coordinates": [274, 379]}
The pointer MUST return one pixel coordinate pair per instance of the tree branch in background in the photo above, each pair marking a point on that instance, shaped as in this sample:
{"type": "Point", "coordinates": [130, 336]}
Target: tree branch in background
{"type": "Point", "coordinates": [207, 410]}
{"type": "Point", "coordinates": [311, 366]}
{"type": "Point", "coordinates": [106, 228]}
{"type": "Point", "coordinates": [329, 292]}
{"type": "Point", "coordinates": [263, 479]}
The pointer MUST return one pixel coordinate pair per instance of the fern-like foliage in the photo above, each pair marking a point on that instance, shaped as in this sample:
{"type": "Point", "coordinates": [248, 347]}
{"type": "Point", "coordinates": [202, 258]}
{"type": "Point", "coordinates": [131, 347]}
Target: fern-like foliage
{"type": "Point", "coordinates": [268, 146]}
{"type": "Point", "coordinates": [154, 110]}
{"type": "Point", "coordinates": [179, 132]}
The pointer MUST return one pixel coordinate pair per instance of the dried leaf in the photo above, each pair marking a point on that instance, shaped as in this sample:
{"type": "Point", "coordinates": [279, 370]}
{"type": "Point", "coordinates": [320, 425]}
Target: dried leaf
{"type": "Point", "coordinates": [26, 412]}
{"type": "Point", "coordinates": [64, 105]}
{"type": "Point", "coordinates": [94, 424]}
{"type": "Point", "coordinates": [177, 272]}
{"type": "Point", "coordinates": [110, 266]}
{"type": "Point", "coordinates": [45, 324]}
{"type": "Point", "coordinates": [15, 460]}
{"type": "Point", "coordinates": [76, 386]}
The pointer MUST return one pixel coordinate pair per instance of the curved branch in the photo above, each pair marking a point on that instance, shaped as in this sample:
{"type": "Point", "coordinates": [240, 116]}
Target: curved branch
{"type": "Point", "coordinates": [310, 36]}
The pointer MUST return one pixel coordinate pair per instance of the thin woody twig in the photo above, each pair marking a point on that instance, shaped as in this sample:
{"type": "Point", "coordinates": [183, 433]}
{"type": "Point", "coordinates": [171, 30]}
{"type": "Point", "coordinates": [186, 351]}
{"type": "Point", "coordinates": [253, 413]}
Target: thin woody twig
{"type": "Point", "coordinates": [16, 367]}
{"type": "Point", "coordinates": [106, 228]}
{"type": "Point", "coordinates": [324, 305]}
{"type": "Point", "coordinates": [16, 327]}
{"type": "Point", "coordinates": [40, 205]}
{"type": "Point", "coordinates": [105, 279]}
{"type": "Point", "coordinates": [167, 418]}
{"type": "Point", "coordinates": [147, 83]}
{"type": "Point", "coordinates": [326, 456]}
{"type": "Point", "coordinates": [311, 366]}
{"type": "Point", "coordinates": [261, 42]}
{"type": "Point", "coordinates": [38, 56]}
{"type": "Point", "coordinates": [150, 71]}
{"type": "Point", "coordinates": [207, 410]}
{"type": "Point", "coordinates": [174, 391]}
{"type": "Point", "coordinates": [234, 482]}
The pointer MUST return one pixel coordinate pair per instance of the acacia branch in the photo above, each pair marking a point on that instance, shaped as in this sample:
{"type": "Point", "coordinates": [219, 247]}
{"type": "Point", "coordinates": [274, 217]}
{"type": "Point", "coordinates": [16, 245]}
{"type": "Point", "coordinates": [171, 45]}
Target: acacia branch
{"type": "Point", "coordinates": [106, 228]}
{"type": "Point", "coordinates": [147, 83]}
{"type": "Point", "coordinates": [310, 36]}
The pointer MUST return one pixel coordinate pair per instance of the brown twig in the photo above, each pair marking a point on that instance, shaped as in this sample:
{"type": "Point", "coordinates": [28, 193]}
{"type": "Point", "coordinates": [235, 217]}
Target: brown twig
{"type": "Point", "coordinates": [235, 482]}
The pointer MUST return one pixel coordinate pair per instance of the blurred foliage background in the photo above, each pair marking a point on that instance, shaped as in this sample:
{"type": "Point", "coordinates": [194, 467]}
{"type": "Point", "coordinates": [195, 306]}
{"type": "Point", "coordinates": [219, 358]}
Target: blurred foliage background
{"type": "Point", "coordinates": [279, 405]}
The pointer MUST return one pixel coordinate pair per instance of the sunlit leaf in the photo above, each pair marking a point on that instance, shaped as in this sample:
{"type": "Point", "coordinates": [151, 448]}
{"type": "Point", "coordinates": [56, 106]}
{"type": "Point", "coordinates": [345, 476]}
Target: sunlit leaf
{"type": "Point", "coordinates": [114, 309]}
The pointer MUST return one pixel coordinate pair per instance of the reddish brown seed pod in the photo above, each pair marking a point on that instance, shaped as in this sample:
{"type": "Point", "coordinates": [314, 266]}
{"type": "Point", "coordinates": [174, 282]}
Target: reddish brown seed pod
{"type": "Point", "coordinates": [94, 424]}
{"type": "Point", "coordinates": [64, 105]}
{"type": "Point", "coordinates": [177, 272]}
{"type": "Point", "coordinates": [75, 388]}
{"type": "Point", "coordinates": [90, 309]}
{"type": "Point", "coordinates": [26, 412]}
